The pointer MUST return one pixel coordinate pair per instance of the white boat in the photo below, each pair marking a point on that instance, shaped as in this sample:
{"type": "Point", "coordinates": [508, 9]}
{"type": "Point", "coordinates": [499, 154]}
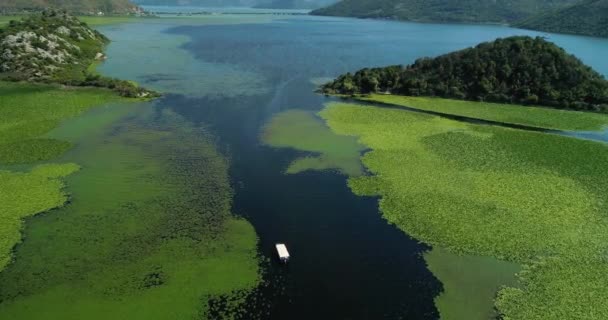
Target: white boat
{"type": "Point", "coordinates": [282, 252]}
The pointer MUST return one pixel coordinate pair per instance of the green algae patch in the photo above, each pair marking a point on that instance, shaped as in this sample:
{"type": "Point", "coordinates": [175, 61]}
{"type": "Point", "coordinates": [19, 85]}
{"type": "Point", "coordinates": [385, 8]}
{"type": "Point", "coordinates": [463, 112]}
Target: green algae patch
{"type": "Point", "coordinates": [489, 191]}
{"type": "Point", "coordinates": [469, 283]}
{"type": "Point", "coordinates": [26, 194]}
{"type": "Point", "coordinates": [148, 234]}
{"type": "Point", "coordinates": [29, 111]}
{"type": "Point", "coordinates": [108, 20]}
{"type": "Point", "coordinates": [513, 114]}
{"type": "Point", "coordinates": [32, 150]}
{"type": "Point", "coordinates": [303, 131]}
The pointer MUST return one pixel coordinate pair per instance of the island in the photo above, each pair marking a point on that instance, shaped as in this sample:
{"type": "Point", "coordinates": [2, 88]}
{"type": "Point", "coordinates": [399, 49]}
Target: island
{"type": "Point", "coordinates": [457, 175]}
{"type": "Point", "coordinates": [519, 70]}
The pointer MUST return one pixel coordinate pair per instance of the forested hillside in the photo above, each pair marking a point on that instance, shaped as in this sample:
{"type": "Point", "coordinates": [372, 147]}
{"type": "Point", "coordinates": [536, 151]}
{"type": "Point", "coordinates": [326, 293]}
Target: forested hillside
{"type": "Point", "coordinates": [473, 11]}
{"type": "Point", "coordinates": [55, 47]}
{"type": "Point", "coordinates": [587, 18]}
{"type": "Point", "coordinates": [521, 70]}
{"type": "Point", "coordinates": [73, 6]}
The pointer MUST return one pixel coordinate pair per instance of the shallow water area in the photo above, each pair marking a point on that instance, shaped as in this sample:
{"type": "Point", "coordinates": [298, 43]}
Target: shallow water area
{"type": "Point", "coordinates": [148, 233]}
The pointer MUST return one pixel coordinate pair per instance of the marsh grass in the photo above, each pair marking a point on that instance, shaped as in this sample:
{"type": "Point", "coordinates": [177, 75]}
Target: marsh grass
{"type": "Point", "coordinates": [523, 115]}
{"type": "Point", "coordinates": [108, 20]}
{"type": "Point", "coordinates": [148, 235]}
{"type": "Point", "coordinates": [25, 194]}
{"type": "Point", "coordinates": [303, 131]}
{"type": "Point", "coordinates": [514, 195]}
{"type": "Point", "coordinates": [28, 111]}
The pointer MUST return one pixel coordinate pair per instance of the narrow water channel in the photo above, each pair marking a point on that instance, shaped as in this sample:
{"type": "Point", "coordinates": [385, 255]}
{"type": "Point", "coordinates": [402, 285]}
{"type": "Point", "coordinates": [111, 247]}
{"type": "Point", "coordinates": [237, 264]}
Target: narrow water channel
{"type": "Point", "coordinates": [348, 263]}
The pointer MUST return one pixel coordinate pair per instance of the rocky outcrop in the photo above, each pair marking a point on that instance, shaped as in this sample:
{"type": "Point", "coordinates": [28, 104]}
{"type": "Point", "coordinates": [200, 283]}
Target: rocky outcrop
{"type": "Point", "coordinates": [41, 47]}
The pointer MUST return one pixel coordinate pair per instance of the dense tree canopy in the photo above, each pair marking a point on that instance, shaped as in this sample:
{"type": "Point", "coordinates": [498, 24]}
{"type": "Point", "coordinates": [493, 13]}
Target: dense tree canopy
{"type": "Point", "coordinates": [520, 70]}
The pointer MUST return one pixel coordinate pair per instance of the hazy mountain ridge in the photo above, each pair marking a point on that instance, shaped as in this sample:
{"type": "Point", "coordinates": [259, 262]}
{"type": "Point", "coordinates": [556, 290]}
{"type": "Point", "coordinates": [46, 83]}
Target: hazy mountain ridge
{"type": "Point", "coordinates": [586, 18]}
{"type": "Point", "coordinates": [467, 11]}
{"type": "Point", "coordinates": [296, 4]}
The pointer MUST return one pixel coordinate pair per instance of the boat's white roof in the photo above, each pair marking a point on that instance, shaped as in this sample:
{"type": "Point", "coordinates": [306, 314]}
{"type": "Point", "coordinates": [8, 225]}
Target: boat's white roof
{"type": "Point", "coordinates": [282, 250]}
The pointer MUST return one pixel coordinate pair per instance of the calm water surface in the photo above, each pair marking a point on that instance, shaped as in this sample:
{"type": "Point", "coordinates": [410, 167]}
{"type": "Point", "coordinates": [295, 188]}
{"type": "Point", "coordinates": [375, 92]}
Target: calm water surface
{"type": "Point", "coordinates": [232, 76]}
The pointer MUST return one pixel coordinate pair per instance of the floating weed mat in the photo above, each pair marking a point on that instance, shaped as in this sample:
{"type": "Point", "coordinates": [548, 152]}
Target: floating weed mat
{"type": "Point", "coordinates": [522, 115]}
{"type": "Point", "coordinates": [254, 303]}
{"type": "Point", "coordinates": [25, 194]}
{"type": "Point", "coordinates": [531, 198]}
{"type": "Point", "coordinates": [27, 113]}
{"type": "Point", "coordinates": [229, 306]}
{"type": "Point", "coordinates": [149, 233]}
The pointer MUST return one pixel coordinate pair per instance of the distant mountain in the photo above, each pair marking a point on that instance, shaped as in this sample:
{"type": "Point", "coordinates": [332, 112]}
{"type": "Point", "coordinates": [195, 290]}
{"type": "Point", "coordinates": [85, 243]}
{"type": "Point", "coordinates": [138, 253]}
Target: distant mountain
{"type": "Point", "coordinates": [267, 4]}
{"type": "Point", "coordinates": [465, 11]}
{"type": "Point", "coordinates": [296, 4]}
{"type": "Point", "coordinates": [520, 70]}
{"type": "Point", "coordinates": [586, 18]}
{"type": "Point", "coordinates": [74, 6]}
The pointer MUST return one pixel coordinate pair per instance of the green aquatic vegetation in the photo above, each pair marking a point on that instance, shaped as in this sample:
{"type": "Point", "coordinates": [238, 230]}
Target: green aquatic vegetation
{"type": "Point", "coordinates": [108, 20]}
{"type": "Point", "coordinates": [469, 283]}
{"type": "Point", "coordinates": [302, 130]}
{"type": "Point", "coordinates": [558, 288]}
{"type": "Point", "coordinates": [29, 111]}
{"type": "Point", "coordinates": [32, 150]}
{"type": "Point", "coordinates": [148, 235]}
{"type": "Point", "coordinates": [491, 191]}
{"type": "Point", "coordinates": [23, 194]}
{"type": "Point", "coordinates": [524, 115]}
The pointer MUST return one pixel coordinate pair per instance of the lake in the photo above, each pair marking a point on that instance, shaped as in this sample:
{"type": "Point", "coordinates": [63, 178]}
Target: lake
{"type": "Point", "coordinates": [231, 75]}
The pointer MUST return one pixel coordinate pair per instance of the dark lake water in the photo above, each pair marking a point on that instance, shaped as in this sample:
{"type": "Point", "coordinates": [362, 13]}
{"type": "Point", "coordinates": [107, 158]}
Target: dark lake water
{"type": "Point", "coordinates": [232, 75]}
